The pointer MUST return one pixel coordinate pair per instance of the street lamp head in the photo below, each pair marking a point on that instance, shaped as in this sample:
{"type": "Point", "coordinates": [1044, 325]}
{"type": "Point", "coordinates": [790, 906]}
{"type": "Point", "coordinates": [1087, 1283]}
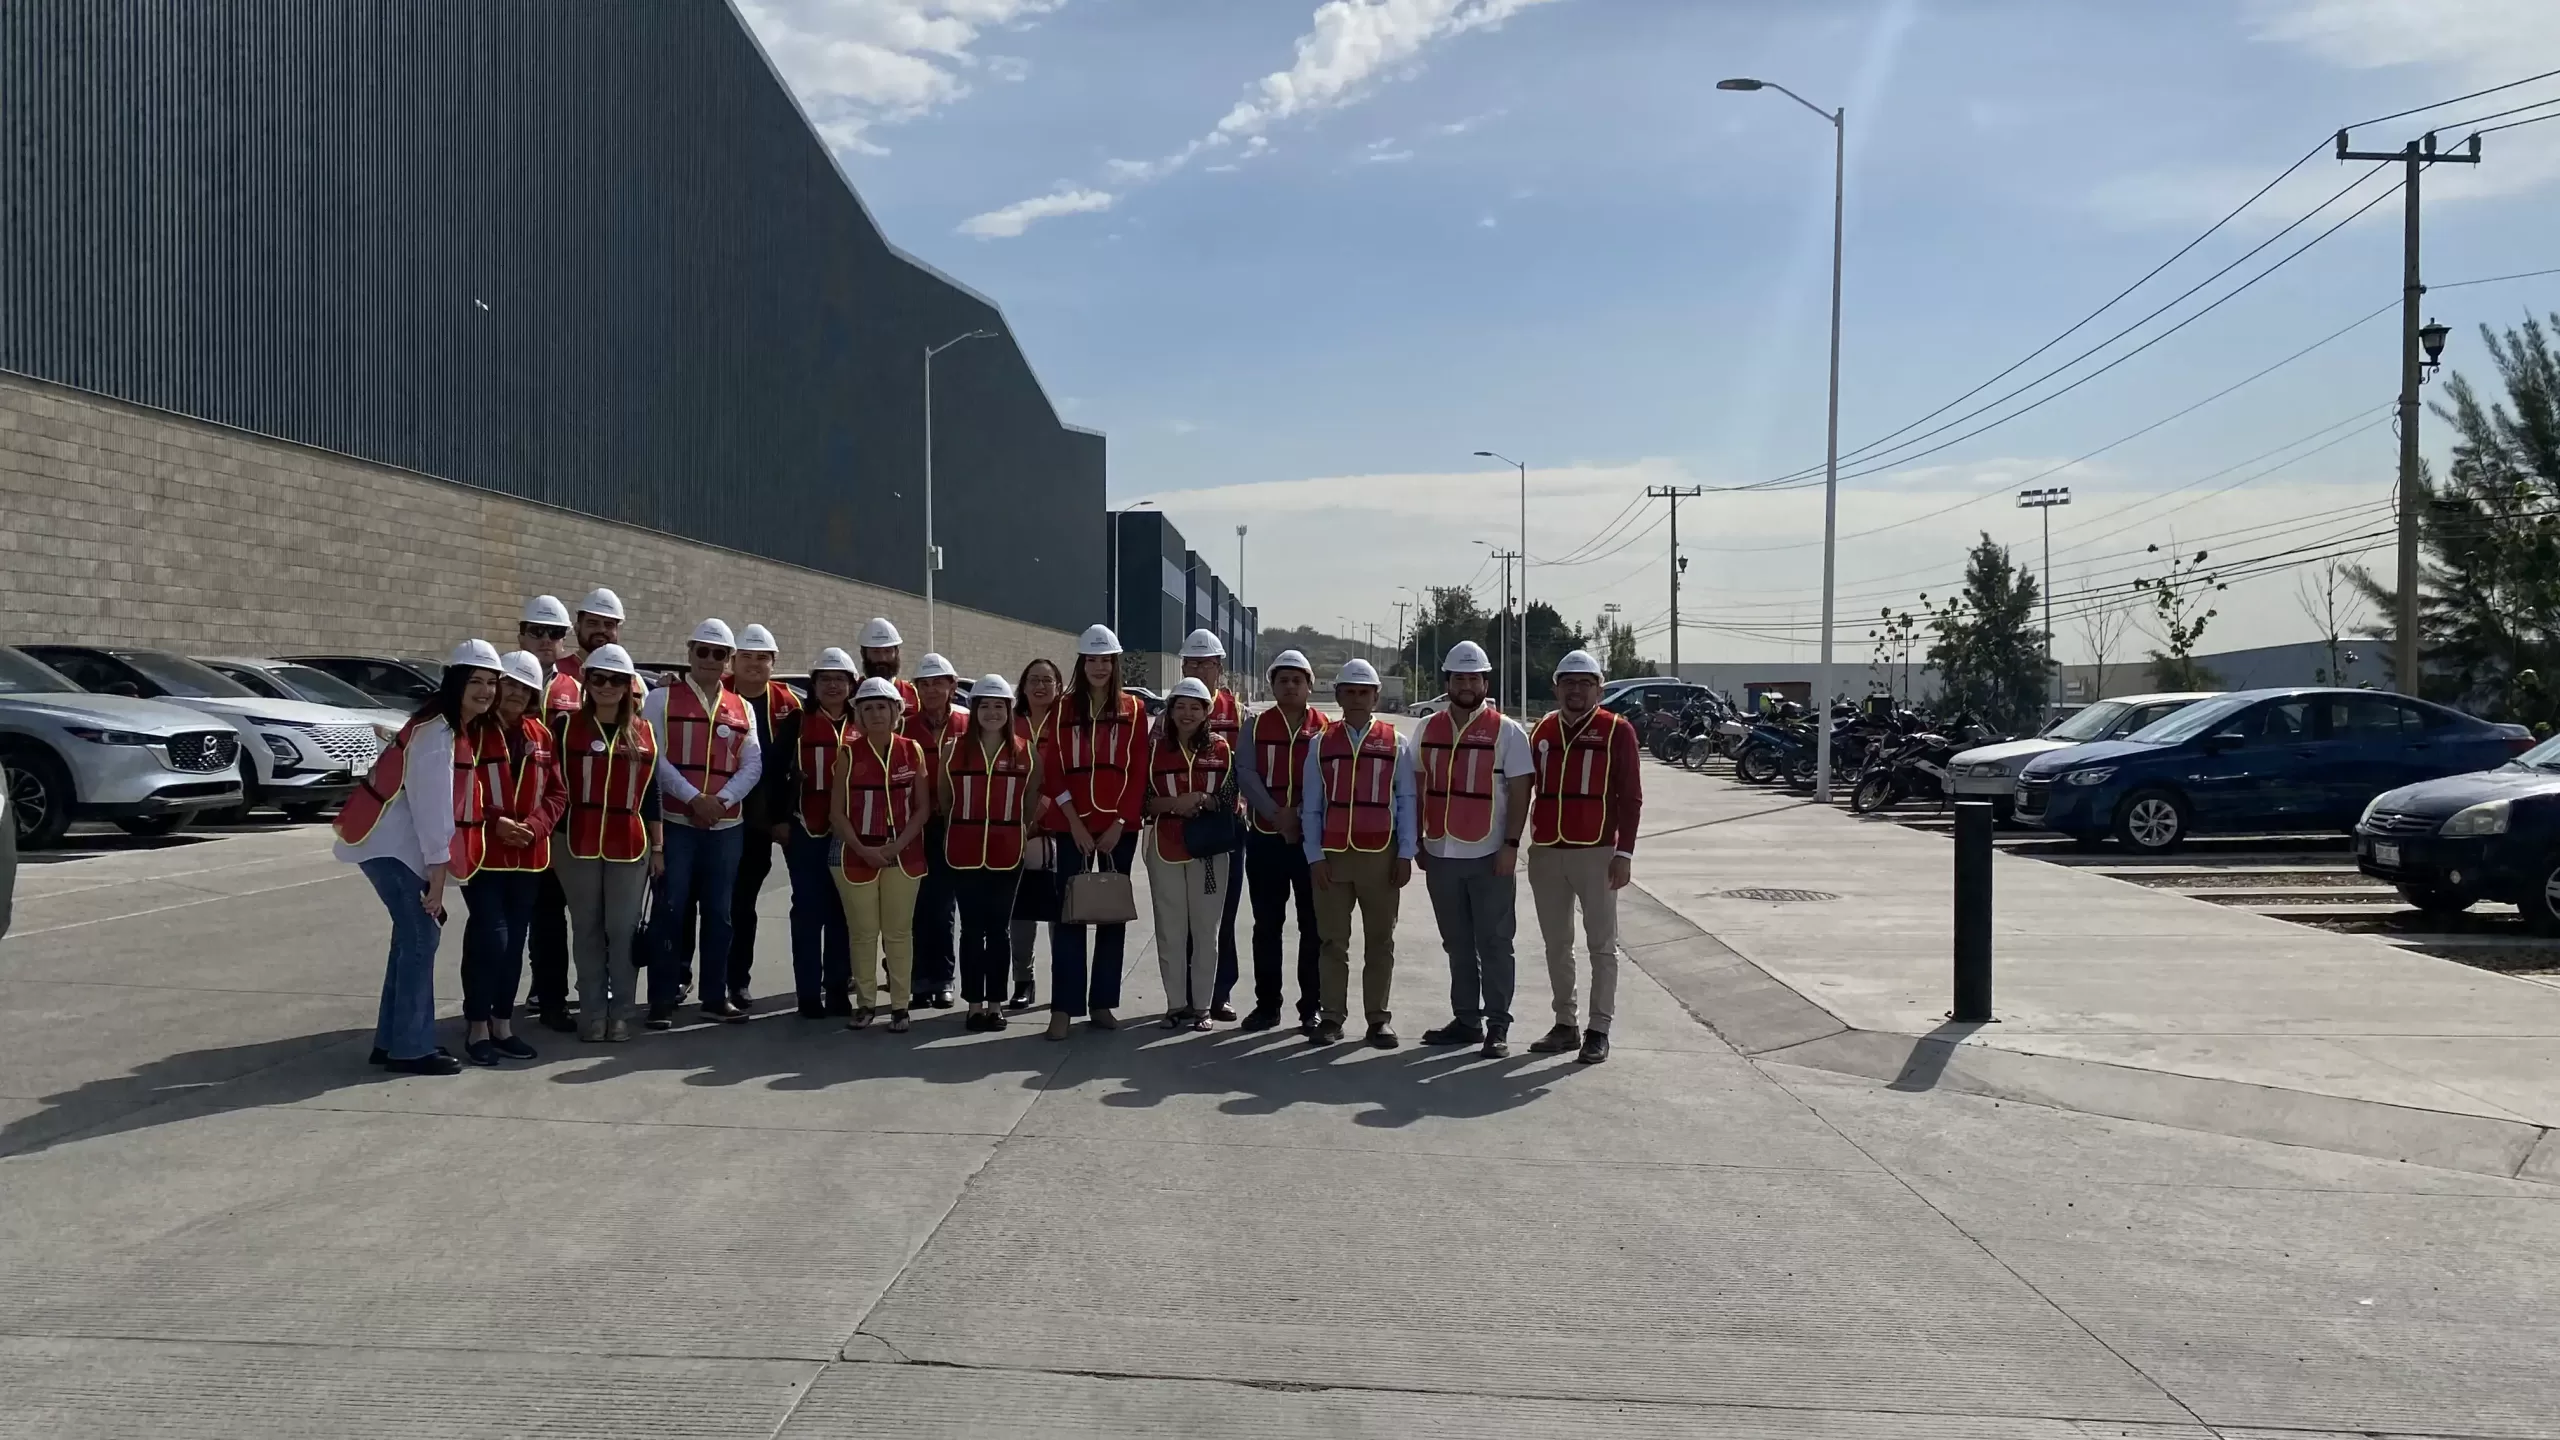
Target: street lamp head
{"type": "Point", "coordinates": [2431, 335]}
{"type": "Point", "coordinates": [1485, 454]}
{"type": "Point", "coordinates": [1738, 83]}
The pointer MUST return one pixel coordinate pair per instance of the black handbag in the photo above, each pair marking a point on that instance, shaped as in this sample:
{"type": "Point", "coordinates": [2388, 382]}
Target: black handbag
{"type": "Point", "coordinates": [1218, 829]}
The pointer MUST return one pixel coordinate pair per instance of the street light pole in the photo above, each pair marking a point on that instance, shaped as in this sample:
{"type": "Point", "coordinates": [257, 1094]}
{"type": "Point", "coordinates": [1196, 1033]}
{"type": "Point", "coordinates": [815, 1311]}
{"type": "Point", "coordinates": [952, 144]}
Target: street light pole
{"type": "Point", "coordinates": [1831, 455]}
{"type": "Point", "coordinates": [1523, 468]}
{"type": "Point", "coordinates": [2043, 502]}
{"type": "Point", "coordinates": [933, 552]}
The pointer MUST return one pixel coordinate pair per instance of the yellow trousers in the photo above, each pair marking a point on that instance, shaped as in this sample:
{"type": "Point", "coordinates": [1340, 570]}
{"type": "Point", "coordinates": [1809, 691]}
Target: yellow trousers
{"type": "Point", "coordinates": [880, 915]}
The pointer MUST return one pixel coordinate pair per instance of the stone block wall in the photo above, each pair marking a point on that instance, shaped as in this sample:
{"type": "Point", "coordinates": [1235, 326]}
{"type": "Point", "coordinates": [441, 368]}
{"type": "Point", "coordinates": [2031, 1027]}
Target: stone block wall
{"type": "Point", "coordinates": [123, 525]}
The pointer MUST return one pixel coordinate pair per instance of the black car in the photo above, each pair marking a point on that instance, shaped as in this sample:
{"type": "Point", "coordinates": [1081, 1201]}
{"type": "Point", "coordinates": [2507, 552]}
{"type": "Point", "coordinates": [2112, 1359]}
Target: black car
{"type": "Point", "coordinates": [1630, 699]}
{"type": "Point", "coordinates": [396, 684]}
{"type": "Point", "coordinates": [2489, 835]}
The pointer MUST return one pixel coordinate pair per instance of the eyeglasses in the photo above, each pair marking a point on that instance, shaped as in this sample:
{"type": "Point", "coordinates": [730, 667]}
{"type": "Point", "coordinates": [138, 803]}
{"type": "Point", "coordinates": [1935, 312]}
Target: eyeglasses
{"type": "Point", "coordinates": [710, 652]}
{"type": "Point", "coordinates": [544, 632]}
{"type": "Point", "coordinates": [609, 680]}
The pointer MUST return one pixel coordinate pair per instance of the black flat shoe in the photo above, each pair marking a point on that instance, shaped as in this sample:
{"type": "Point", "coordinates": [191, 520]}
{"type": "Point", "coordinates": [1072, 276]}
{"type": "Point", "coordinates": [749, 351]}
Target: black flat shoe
{"type": "Point", "coordinates": [661, 1017]}
{"type": "Point", "coordinates": [1456, 1032]}
{"type": "Point", "coordinates": [482, 1052]}
{"type": "Point", "coordinates": [996, 1020]}
{"type": "Point", "coordinates": [514, 1048]}
{"type": "Point", "coordinates": [381, 1056]}
{"type": "Point", "coordinates": [1497, 1043]}
{"type": "Point", "coordinates": [1557, 1041]}
{"type": "Point", "coordinates": [743, 1001]}
{"type": "Point", "coordinates": [1325, 1033]}
{"type": "Point", "coordinates": [557, 1017]}
{"type": "Point", "coordinates": [1024, 997]}
{"type": "Point", "coordinates": [1261, 1020]}
{"type": "Point", "coordinates": [840, 1007]}
{"type": "Point", "coordinates": [1595, 1047]}
{"type": "Point", "coordinates": [722, 1011]}
{"type": "Point", "coordinates": [437, 1063]}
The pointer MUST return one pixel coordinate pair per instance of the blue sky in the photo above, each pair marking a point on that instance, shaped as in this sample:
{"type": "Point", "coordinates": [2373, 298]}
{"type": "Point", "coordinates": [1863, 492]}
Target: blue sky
{"type": "Point", "coordinates": [1300, 260]}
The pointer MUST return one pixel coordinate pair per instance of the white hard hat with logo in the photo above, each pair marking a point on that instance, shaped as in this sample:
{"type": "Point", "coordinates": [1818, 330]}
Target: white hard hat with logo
{"type": "Point", "coordinates": [602, 602]}
{"type": "Point", "coordinates": [877, 688]}
{"type": "Point", "coordinates": [991, 687]}
{"type": "Point", "coordinates": [522, 668]}
{"type": "Point", "coordinates": [1290, 660]}
{"type": "Point", "coordinates": [1189, 688]}
{"type": "Point", "coordinates": [832, 658]}
{"type": "Point", "coordinates": [1466, 658]}
{"type": "Point", "coordinates": [611, 659]}
{"type": "Point", "coordinates": [934, 667]}
{"type": "Point", "coordinates": [715, 632]}
{"type": "Point", "coordinates": [1580, 662]}
{"type": "Point", "coordinates": [756, 637]}
{"type": "Point", "coordinates": [1203, 644]}
{"type": "Point", "coordinates": [1098, 640]}
{"type": "Point", "coordinates": [478, 654]}
{"type": "Point", "coordinates": [1356, 672]}
{"type": "Point", "coordinates": [545, 610]}
{"type": "Point", "coordinates": [880, 635]}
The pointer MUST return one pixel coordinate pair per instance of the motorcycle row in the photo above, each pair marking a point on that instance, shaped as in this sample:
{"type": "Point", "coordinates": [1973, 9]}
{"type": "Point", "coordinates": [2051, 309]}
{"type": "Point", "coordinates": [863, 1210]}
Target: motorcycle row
{"type": "Point", "coordinates": [1895, 754]}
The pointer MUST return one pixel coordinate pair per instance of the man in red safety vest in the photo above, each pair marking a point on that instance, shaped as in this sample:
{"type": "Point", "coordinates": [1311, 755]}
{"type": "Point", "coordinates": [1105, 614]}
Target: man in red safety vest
{"type": "Point", "coordinates": [1270, 765]}
{"type": "Point", "coordinates": [1204, 658]}
{"type": "Point", "coordinates": [709, 760]}
{"type": "Point", "coordinates": [1582, 841]}
{"type": "Point", "coordinates": [562, 643]}
{"type": "Point", "coordinates": [882, 646]}
{"type": "Point", "coordinates": [1471, 766]}
{"type": "Point", "coordinates": [1356, 807]}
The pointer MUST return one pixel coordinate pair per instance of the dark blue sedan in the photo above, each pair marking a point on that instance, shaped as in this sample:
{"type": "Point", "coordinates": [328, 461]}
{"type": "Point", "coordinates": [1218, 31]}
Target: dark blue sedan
{"type": "Point", "coordinates": [2493, 835]}
{"type": "Point", "coordinates": [2283, 760]}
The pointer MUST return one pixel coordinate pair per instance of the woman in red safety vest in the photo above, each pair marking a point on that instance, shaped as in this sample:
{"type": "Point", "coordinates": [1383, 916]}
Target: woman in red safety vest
{"type": "Point", "coordinates": [405, 827]}
{"type": "Point", "coordinates": [989, 801]}
{"type": "Point", "coordinates": [806, 746]}
{"type": "Point", "coordinates": [1189, 774]}
{"type": "Point", "coordinates": [613, 846]}
{"type": "Point", "coordinates": [506, 854]}
{"type": "Point", "coordinates": [1093, 769]}
{"type": "Point", "coordinates": [880, 801]}
{"type": "Point", "coordinates": [1035, 900]}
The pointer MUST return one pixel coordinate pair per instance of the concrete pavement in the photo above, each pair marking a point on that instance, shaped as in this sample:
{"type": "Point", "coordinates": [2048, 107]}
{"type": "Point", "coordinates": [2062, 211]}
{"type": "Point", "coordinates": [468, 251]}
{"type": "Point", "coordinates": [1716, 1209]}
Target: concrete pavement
{"type": "Point", "coordinates": [219, 1222]}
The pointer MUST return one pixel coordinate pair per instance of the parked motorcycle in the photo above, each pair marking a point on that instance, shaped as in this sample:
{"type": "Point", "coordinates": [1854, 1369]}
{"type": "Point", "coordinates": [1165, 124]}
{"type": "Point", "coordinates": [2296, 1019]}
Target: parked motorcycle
{"type": "Point", "coordinates": [1914, 768]}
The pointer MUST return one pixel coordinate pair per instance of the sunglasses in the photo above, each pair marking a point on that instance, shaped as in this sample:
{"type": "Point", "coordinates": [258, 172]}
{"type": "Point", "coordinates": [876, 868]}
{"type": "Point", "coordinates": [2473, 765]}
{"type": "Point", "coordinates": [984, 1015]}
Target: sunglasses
{"type": "Point", "coordinates": [710, 652]}
{"type": "Point", "coordinates": [610, 681]}
{"type": "Point", "coordinates": [544, 632]}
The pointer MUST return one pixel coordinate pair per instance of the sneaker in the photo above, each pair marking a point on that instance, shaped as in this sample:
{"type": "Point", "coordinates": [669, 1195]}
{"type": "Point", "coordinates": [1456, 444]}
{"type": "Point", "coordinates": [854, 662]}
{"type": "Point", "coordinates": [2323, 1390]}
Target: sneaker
{"type": "Point", "coordinates": [1595, 1047]}
{"type": "Point", "coordinates": [1557, 1041]}
{"type": "Point", "coordinates": [482, 1052]}
{"type": "Point", "coordinates": [1497, 1042]}
{"type": "Point", "coordinates": [435, 1062]}
{"type": "Point", "coordinates": [1261, 1020]}
{"type": "Point", "coordinates": [514, 1048]}
{"type": "Point", "coordinates": [661, 1017]}
{"type": "Point", "coordinates": [1383, 1037]}
{"type": "Point", "coordinates": [1456, 1032]}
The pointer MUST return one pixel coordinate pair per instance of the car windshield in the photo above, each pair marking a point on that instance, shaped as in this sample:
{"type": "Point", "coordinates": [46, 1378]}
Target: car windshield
{"type": "Point", "coordinates": [182, 677]}
{"type": "Point", "coordinates": [323, 689]}
{"type": "Point", "coordinates": [2089, 724]}
{"type": "Point", "coordinates": [2545, 756]}
{"type": "Point", "coordinates": [25, 675]}
{"type": "Point", "coordinates": [2202, 718]}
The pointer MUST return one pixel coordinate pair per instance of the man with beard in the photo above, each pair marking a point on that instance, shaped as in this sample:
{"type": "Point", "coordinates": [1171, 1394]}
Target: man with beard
{"type": "Point", "coordinates": [1473, 769]}
{"type": "Point", "coordinates": [880, 642]}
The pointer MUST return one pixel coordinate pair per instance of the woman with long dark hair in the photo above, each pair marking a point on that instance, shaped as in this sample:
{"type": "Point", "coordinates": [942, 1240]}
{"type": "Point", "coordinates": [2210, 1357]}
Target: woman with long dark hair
{"type": "Point", "coordinates": [990, 788]}
{"type": "Point", "coordinates": [401, 828]}
{"type": "Point", "coordinates": [1187, 778]}
{"type": "Point", "coordinates": [1035, 901]}
{"type": "Point", "coordinates": [1091, 766]}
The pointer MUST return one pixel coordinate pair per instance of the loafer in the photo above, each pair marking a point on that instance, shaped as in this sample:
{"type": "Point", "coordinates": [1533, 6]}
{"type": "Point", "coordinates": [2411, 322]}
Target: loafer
{"type": "Point", "coordinates": [435, 1062]}
{"type": "Point", "coordinates": [661, 1017]}
{"type": "Point", "coordinates": [1025, 996]}
{"type": "Point", "coordinates": [1261, 1020]}
{"type": "Point", "coordinates": [556, 1017]}
{"type": "Point", "coordinates": [1456, 1032]}
{"type": "Point", "coordinates": [1557, 1041]}
{"type": "Point", "coordinates": [381, 1057]}
{"type": "Point", "coordinates": [1326, 1032]}
{"type": "Point", "coordinates": [1497, 1043]}
{"type": "Point", "coordinates": [514, 1048]}
{"type": "Point", "coordinates": [1223, 1013]}
{"type": "Point", "coordinates": [1384, 1037]}
{"type": "Point", "coordinates": [1103, 1019]}
{"type": "Point", "coordinates": [481, 1052]}
{"type": "Point", "coordinates": [722, 1011]}
{"type": "Point", "coordinates": [1595, 1047]}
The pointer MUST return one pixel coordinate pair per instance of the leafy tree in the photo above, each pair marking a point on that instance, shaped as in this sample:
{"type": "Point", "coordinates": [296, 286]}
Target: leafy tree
{"type": "Point", "coordinates": [2181, 607]}
{"type": "Point", "coordinates": [1622, 658]}
{"type": "Point", "coordinates": [1989, 652]}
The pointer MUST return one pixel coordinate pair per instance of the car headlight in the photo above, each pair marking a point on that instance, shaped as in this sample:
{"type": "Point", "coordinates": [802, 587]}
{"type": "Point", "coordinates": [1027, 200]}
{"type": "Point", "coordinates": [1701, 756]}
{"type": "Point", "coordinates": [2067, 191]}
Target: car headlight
{"type": "Point", "coordinates": [2366, 817]}
{"type": "Point", "coordinates": [1989, 769]}
{"type": "Point", "coordinates": [2489, 818]}
{"type": "Point", "coordinates": [2097, 776]}
{"type": "Point", "coordinates": [111, 737]}
{"type": "Point", "coordinates": [281, 748]}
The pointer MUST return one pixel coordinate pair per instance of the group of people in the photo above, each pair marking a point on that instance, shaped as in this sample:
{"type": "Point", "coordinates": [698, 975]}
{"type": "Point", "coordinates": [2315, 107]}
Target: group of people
{"type": "Point", "coordinates": [929, 838]}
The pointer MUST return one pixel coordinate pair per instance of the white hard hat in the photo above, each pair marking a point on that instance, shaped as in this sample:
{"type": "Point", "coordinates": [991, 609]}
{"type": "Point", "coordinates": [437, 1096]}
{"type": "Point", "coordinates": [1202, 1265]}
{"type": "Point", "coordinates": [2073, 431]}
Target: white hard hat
{"type": "Point", "coordinates": [1357, 672]}
{"type": "Point", "coordinates": [991, 687]}
{"type": "Point", "coordinates": [1203, 645]}
{"type": "Point", "coordinates": [479, 654]}
{"type": "Point", "coordinates": [880, 635]}
{"type": "Point", "coordinates": [715, 632]}
{"type": "Point", "coordinates": [934, 667]}
{"type": "Point", "coordinates": [522, 668]}
{"type": "Point", "coordinates": [1579, 662]}
{"type": "Point", "coordinates": [756, 637]}
{"type": "Point", "coordinates": [601, 601]}
{"type": "Point", "coordinates": [876, 688]}
{"type": "Point", "coordinates": [545, 610]}
{"type": "Point", "coordinates": [832, 658]}
{"type": "Point", "coordinates": [612, 659]}
{"type": "Point", "coordinates": [1189, 688]}
{"type": "Point", "coordinates": [1466, 658]}
{"type": "Point", "coordinates": [1098, 640]}
{"type": "Point", "coordinates": [1290, 660]}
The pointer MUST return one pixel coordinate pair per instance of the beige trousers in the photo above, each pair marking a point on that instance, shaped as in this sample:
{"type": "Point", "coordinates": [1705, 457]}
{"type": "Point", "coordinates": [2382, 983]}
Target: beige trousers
{"type": "Point", "coordinates": [1187, 911]}
{"type": "Point", "coordinates": [1561, 878]}
{"type": "Point", "coordinates": [1365, 879]}
{"type": "Point", "coordinates": [881, 917]}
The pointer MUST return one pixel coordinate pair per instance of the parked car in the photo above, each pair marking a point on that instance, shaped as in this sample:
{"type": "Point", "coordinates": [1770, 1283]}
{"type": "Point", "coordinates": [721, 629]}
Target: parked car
{"type": "Point", "coordinates": [302, 758]}
{"type": "Point", "coordinates": [402, 684]}
{"type": "Point", "coordinates": [1990, 772]}
{"type": "Point", "coordinates": [2449, 844]}
{"type": "Point", "coordinates": [8, 861]}
{"type": "Point", "coordinates": [69, 755]}
{"type": "Point", "coordinates": [1629, 698]}
{"type": "Point", "coordinates": [293, 680]}
{"type": "Point", "coordinates": [1430, 707]}
{"type": "Point", "coordinates": [1153, 701]}
{"type": "Point", "coordinates": [2306, 758]}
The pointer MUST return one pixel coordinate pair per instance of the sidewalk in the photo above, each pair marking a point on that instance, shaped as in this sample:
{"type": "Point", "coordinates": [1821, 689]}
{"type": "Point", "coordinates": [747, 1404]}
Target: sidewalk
{"type": "Point", "coordinates": [2111, 997]}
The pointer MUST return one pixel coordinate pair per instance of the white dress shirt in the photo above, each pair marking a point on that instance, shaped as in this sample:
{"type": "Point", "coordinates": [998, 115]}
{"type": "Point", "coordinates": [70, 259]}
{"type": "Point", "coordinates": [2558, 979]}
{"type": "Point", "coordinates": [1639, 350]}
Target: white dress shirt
{"type": "Point", "coordinates": [675, 792]}
{"type": "Point", "coordinates": [1511, 761]}
{"type": "Point", "coordinates": [416, 828]}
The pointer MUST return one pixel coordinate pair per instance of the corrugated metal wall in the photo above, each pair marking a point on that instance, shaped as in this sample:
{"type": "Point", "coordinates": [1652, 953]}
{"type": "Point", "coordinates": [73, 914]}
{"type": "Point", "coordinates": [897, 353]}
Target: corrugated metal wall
{"type": "Point", "coordinates": [581, 251]}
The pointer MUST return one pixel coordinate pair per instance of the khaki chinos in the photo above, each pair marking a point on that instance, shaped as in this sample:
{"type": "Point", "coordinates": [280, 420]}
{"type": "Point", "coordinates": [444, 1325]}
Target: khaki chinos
{"type": "Point", "coordinates": [1562, 877]}
{"type": "Point", "coordinates": [1365, 878]}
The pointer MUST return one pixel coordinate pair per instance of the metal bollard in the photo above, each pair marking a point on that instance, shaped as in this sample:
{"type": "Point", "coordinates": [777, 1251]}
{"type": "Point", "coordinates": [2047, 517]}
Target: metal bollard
{"type": "Point", "coordinates": [1973, 912]}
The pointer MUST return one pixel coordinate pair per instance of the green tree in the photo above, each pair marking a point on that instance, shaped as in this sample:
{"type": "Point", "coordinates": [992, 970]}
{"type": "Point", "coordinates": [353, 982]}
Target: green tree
{"type": "Point", "coordinates": [1622, 658]}
{"type": "Point", "coordinates": [2181, 608]}
{"type": "Point", "coordinates": [1989, 651]}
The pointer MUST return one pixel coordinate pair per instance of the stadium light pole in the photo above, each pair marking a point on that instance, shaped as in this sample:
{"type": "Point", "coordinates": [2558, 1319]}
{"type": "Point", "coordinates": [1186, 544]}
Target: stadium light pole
{"type": "Point", "coordinates": [933, 552]}
{"type": "Point", "coordinates": [1831, 456]}
{"type": "Point", "coordinates": [1524, 573]}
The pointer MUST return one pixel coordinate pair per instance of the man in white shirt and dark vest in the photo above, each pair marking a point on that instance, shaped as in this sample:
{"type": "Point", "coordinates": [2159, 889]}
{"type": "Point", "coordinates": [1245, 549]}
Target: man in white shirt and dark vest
{"type": "Point", "coordinates": [1356, 809]}
{"type": "Point", "coordinates": [708, 763]}
{"type": "Point", "coordinates": [1270, 764]}
{"type": "Point", "coordinates": [1471, 766]}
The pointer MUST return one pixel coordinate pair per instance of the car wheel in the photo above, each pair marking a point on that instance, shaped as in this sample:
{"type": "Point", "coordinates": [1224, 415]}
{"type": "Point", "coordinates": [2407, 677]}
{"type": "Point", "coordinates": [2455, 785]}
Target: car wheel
{"type": "Point", "coordinates": [2435, 901]}
{"type": "Point", "coordinates": [150, 826]}
{"type": "Point", "coordinates": [2004, 812]}
{"type": "Point", "coordinates": [2541, 905]}
{"type": "Point", "coordinates": [40, 795]}
{"type": "Point", "coordinates": [2151, 822]}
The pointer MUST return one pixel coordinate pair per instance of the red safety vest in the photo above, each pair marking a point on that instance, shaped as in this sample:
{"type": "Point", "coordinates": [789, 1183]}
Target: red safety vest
{"type": "Point", "coordinates": [935, 740]}
{"type": "Point", "coordinates": [984, 831]}
{"type": "Point", "coordinates": [1171, 772]}
{"type": "Point", "coordinates": [364, 809]}
{"type": "Point", "coordinates": [781, 702]}
{"type": "Point", "coordinates": [1359, 787]}
{"type": "Point", "coordinates": [606, 780]}
{"type": "Point", "coordinates": [518, 790]}
{"type": "Point", "coordinates": [1096, 756]}
{"type": "Point", "coordinates": [1571, 806]}
{"type": "Point", "coordinates": [879, 800]}
{"type": "Point", "coordinates": [1458, 775]}
{"type": "Point", "coordinates": [706, 749]}
{"type": "Point", "coordinates": [821, 740]}
{"type": "Point", "coordinates": [1226, 717]}
{"type": "Point", "coordinates": [1048, 815]}
{"type": "Point", "coordinates": [1281, 758]}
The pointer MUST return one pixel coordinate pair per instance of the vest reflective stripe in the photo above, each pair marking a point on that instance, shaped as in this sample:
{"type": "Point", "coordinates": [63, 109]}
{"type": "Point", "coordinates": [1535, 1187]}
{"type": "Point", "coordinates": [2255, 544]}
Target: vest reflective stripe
{"type": "Point", "coordinates": [1359, 787]}
{"type": "Point", "coordinates": [562, 697]}
{"type": "Point", "coordinates": [984, 831]}
{"type": "Point", "coordinates": [1571, 806]}
{"type": "Point", "coordinates": [821, 740]}
{"type": "Point", "coordinates": [781, 702]}
{"type": "Point", "coordinates": [1098, 754]}
{"type": "Point", "coordinates": [373, 795]}
{"type": "Point", "coordinates": [606, 780]}
{"type": "Point", "coordinates": [880, 799]}
{"type": "Point", "coordinates": [1281, 758]}
{"type": "Point", "coordinates": [696, 745]}
{"type": "Point", "coordinates": [515, 789]}
{"type": "Point", "coordinates": [470, 816]}
{"type": "Point", "coordinates": [1171, 772]}
{"type": "Point", "coordinates": [1226, 717]}
{"type": "Point", "coordinates": [935, 740]}
{"type": "Point", "coordinates": [1458, 775]}
{"type": "Point", "coordinates": [1044, 813]}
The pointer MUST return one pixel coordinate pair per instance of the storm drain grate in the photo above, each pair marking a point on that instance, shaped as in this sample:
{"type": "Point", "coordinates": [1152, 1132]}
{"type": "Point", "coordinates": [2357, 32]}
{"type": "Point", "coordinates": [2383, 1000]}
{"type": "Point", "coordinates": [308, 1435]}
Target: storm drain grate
{"type": "Point", "coordinates": [1782, 897]}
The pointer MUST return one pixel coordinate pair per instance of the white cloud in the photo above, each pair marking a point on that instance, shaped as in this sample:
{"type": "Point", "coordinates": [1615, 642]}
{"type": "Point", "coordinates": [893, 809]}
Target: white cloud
{"type": "Point", "coordinates": [1462, 126]}
{"type": "Point", "coordinates": [1383, 152]}
{"type": "Point", "coordinates": [1487, 222]}
{"type": "Point", "coordinates": [2483, 40]}
{"type": "Point", "coordinates": [860, 64]}
{"type": "Point", "coordinates": [1347, 44]}
{"type": "Point", "coordinates": [1017, 217]}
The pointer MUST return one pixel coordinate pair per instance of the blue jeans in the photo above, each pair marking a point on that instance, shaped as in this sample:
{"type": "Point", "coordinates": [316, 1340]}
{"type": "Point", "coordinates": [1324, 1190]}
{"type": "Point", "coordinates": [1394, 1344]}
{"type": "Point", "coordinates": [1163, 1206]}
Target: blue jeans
{"type": "Point", "coordinates": [821, 946]}
{"type": "Point", "coordinates": [405, 1027]}
{"type": "Point", "coordinates": [493, 941]}
{"type": "Point", "coordinates": [700, 863]}
{"type": "Point", "coordinates": [1071, 988]}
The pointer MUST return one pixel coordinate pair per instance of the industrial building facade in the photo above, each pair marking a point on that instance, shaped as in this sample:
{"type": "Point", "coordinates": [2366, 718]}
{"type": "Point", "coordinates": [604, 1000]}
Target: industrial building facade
{"type": "Point", "coordinates": [1162, 590]}
{"type": "Point", "coordinates": [582, 261]}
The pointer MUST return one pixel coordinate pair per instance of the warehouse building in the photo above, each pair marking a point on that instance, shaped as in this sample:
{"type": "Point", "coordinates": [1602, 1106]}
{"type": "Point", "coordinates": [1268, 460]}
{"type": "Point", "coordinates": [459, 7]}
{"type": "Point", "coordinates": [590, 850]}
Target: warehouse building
{"type": "Point", "coordinates": [348, 325]}
{"type": "Point", "coordinates": [1162, 590]}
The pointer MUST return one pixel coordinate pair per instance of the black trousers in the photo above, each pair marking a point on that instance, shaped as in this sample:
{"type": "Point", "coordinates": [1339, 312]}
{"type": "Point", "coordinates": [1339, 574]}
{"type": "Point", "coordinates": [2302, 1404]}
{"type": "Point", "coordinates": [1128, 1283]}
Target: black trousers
{"type": "Point", "coordinates": [1276, 870]}
{"type": "Point", "coordinates": [549, 945]}
{"type": "Point", "coordinates": [755, 862]}
{"type": "Point", "coordinates": [934, 902]}
{"type": "Point", "coordinates": [985, 899]}
{"type": "Point", "coordinates": [1227, 940]}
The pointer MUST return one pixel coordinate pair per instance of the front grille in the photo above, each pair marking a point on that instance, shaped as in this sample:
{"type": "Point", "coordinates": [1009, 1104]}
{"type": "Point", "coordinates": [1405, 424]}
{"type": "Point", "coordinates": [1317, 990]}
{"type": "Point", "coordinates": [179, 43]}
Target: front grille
{"type": "Point", "coordinates": [2032, 795]}
{"type": "Point", "coordinates": [189, 792]}
{"type": "Point", "coordinates": [2393, 822]}
{"type": "Point", "coordinates": [204, 751]}
{"type": "Point", "coordinates": [353, 746]}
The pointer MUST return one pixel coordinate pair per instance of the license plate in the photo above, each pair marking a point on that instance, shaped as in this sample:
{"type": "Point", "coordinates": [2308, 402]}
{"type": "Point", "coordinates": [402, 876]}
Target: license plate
{"type": "Point", "coordinates": [2386, 855]}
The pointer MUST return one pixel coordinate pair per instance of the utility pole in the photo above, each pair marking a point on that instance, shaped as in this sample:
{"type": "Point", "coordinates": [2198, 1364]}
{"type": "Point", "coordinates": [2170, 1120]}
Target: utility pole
{"type": "Point", "coordinates": [1505, 557]}
{"type": "Point", "coordinates": [2043, 502]}
{"type": "Point", "coordinates": [1675, 495]}
{"type": "Point", "coordinates": [2416, 155]}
